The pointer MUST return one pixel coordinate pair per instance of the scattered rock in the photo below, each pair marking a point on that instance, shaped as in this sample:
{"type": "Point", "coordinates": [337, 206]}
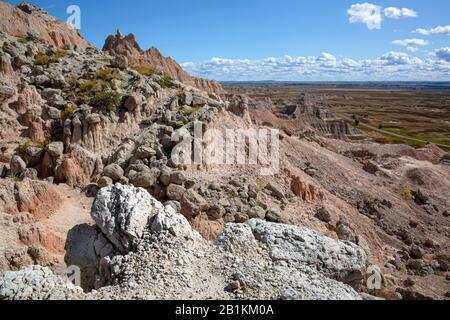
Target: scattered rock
{"type": "Point", "coordinates": [371, 167]}
{"type": "Point", "coordinates": [177, 177]}
{"type": "Point", "coordinates": [29, 173]}
{"type": "Point", "coordinates": [275, 190]}
{"type": "Point", "coordinates": [257, 213]}
{"type": "Point", "coordinates": [104, 182]}
{"type": "Point", "coordinates": [192, 204]}
{"type": "Point", "coordinates": [323, 215]}
{"type": "Point", "coordinates": [17, 165]}
{"type": "Point", "coordinates": [120, 62]}
{"type": "Point", "coordinates": [55, 149]}
{"type": "Point", "coordinates": [113, 171]}
{"type": "Point", "coordinates": [416, 252]}
{"type": "Point", "coordinates": [36, 283]}
{"type": "Point", "coordinates": [123, 213]}
{"type": "Point", "coordinates": [409, 282]}
{"type": "Point", "coordinates": [175, 192]}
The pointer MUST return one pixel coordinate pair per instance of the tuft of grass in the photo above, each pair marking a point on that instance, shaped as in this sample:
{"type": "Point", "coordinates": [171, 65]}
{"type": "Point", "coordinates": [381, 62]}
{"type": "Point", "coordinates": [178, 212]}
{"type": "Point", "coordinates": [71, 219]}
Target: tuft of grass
{"type": "Point", "coordinates": [42, 59]}
{"type": "Point", "coordinates": [22, 39]}
{"type": "Point", "coordinates": [146, 70]}
{"type": "Point", "coordinates": [166, 82]}
{"type": "Point", "coordinates": [107, 75]}
{"type": "Point", "coordinates": [190, 110]}
{"type": "Point", "coordinates": [260, 184]}
{"type": "Point", "coordinates": [23, 147]}
{"type": "Point", "coordinates": [44, 143]}
{"type": "Point", "coordinates": [106, 100]}
{"type": "Point", "coordinates": [68, 112]}
{"type": "Point", "coordinates": [94, 85]}
{"type": "Point", "coordinates": [407, 193]}
{"type": "Point", "coordinates": [13, 176]}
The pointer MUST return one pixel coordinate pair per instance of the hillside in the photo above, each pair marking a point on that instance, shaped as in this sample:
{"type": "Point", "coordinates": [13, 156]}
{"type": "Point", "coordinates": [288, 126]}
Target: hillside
{"type": "Point", "coordinates": [89, 177]}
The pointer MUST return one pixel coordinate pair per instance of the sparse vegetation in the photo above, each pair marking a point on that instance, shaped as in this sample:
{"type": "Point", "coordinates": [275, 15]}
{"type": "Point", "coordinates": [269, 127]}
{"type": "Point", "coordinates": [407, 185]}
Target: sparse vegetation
{"type": "Point", "coordinates": [44, 143]}
{"type": "Point", "coordinates": [190, 110]}
{"type": "Point", "coordinates": [94, 85]}
{"type": "Point", "coordinates": [167, 81]}
{"type": "Point", "coordinates": [23, 147]}
{"type": "Point", "coordinates": [42, 59]}
{"type": "Point", "coordinates": [13, 176]}
{"type": "Point", "coordinates": [106, 101]}
{"type": "Point", "coordinates": [146, 70]}
{"type": "Point", "coordinates": [22, 39]}
{"type": "Point", "coordinates": [407, 193]}
{"type": "Point", "coordinates": [260, 184]}
{"type": "Point", "coordinates": [68, 111]}
{"type": "Point", "coordinates": [107, 75]}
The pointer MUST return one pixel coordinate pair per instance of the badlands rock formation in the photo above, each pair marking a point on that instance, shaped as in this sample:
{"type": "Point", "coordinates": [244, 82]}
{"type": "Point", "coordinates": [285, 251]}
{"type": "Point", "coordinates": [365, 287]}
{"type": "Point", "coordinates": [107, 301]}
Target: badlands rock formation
{"type": "Point", "coordinates": [127, 46]}
{"type": "Point", "coordinates": [26, 20]}
{"type": "Point", "coordinates": [78, 123]}
{"type": "Point", "coordinates": [256, 260]}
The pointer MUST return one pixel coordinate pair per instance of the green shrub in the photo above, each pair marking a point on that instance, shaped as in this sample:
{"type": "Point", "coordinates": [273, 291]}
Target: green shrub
{"type": "Point", "coordinates": [167, 81]}
{"type": "Point", "coordinates": [42, 59]}
{"type": "Point", "coordinates": [23, 147]}
{"type": "Point", "coordinates": [145, 70]}
{"type": "Point", "coordinates": [106, 100]}
{"type": "Point", "coordinates": [107, 75]}
{"type": "Point", "coordinates": [13, 176]}
{"type": "Point", "coordinates": [93, 85]}
{"type": "Point", "coordinates": [68, 111]}
{"type": "Point", "coordinates": [407, 193]}
{"type": "Point", "coordinates": [260, 184]}
{"type": "Point", "coordinates": [21, 39]}
{"type": "Point", "coordinates": [44, 143]}
{"type": "Point", "coordinates": [190, 110]}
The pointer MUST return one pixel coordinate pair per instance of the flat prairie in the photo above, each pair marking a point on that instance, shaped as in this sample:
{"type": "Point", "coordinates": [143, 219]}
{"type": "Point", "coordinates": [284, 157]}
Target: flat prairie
{"type": "Point", "coordinates": [411, 113]}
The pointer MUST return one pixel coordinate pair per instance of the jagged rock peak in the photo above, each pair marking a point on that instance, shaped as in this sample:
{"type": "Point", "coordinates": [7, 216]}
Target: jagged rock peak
{"type": "Point", "coordinates": [128, 46]}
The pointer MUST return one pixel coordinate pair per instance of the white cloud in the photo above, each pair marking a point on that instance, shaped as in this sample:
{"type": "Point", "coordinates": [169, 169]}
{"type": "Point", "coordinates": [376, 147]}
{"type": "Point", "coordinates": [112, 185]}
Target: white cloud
{"type": "Point", "coordinates": [412, 49]}
{"type": "Point", "coordinates": [443, 54]}
{"type": "Point", "coordinates": [437, 30]}
{"type": "Point", "coordinates": [411, 44]}
{"type": "Point", "coordinates": [397, 13]}
{"type": "Point", "coordinates": [390, 66]}
{"type": "Point", "coordinates": [399, 58]}
{"type": "Point", "coordinates": [367, 13]}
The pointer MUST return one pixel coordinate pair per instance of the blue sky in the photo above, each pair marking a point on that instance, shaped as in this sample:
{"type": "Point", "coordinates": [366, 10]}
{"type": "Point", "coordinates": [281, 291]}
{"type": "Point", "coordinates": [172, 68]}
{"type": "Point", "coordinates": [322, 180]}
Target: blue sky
{"type": "Point", "coordinates": [284, 39]}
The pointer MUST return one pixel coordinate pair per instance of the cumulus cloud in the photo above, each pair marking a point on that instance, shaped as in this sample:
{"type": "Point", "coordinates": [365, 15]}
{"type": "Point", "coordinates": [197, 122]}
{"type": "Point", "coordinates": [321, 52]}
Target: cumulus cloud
{"type": "Point", "coordinates": [399, 58]}
{"type": "Point", "coordinates": [437, 30]}
{"type": "Point", "coordinates": [443, 54]}
{"type": "Point", "coordinates": [398, 13]}
{"type": "Point", "coordinates": [390, 66]}
{"type": "Point", "coordinates": [367, 13]}
{"type": "Point", "coordinates": [411, 44]}
{"type": "Point", "coordinates": [412, 49]}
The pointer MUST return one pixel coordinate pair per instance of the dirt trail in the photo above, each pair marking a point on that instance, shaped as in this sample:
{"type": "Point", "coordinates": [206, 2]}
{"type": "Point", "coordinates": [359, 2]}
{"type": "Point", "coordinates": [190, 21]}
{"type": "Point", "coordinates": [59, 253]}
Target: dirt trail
{"type": "Point", "coordinates": [74, 210]}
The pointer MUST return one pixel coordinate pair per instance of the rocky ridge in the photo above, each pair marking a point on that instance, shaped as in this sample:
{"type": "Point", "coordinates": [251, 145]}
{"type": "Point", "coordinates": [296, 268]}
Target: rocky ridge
{"type": "Point", "coordinates": [28, 21]}
{"type": "Point", "coordinates": [83, 118]}
{"type": "Point", "coordinates": [257, 260]}
{"type": "Point", "coordinates": [127, 46]}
